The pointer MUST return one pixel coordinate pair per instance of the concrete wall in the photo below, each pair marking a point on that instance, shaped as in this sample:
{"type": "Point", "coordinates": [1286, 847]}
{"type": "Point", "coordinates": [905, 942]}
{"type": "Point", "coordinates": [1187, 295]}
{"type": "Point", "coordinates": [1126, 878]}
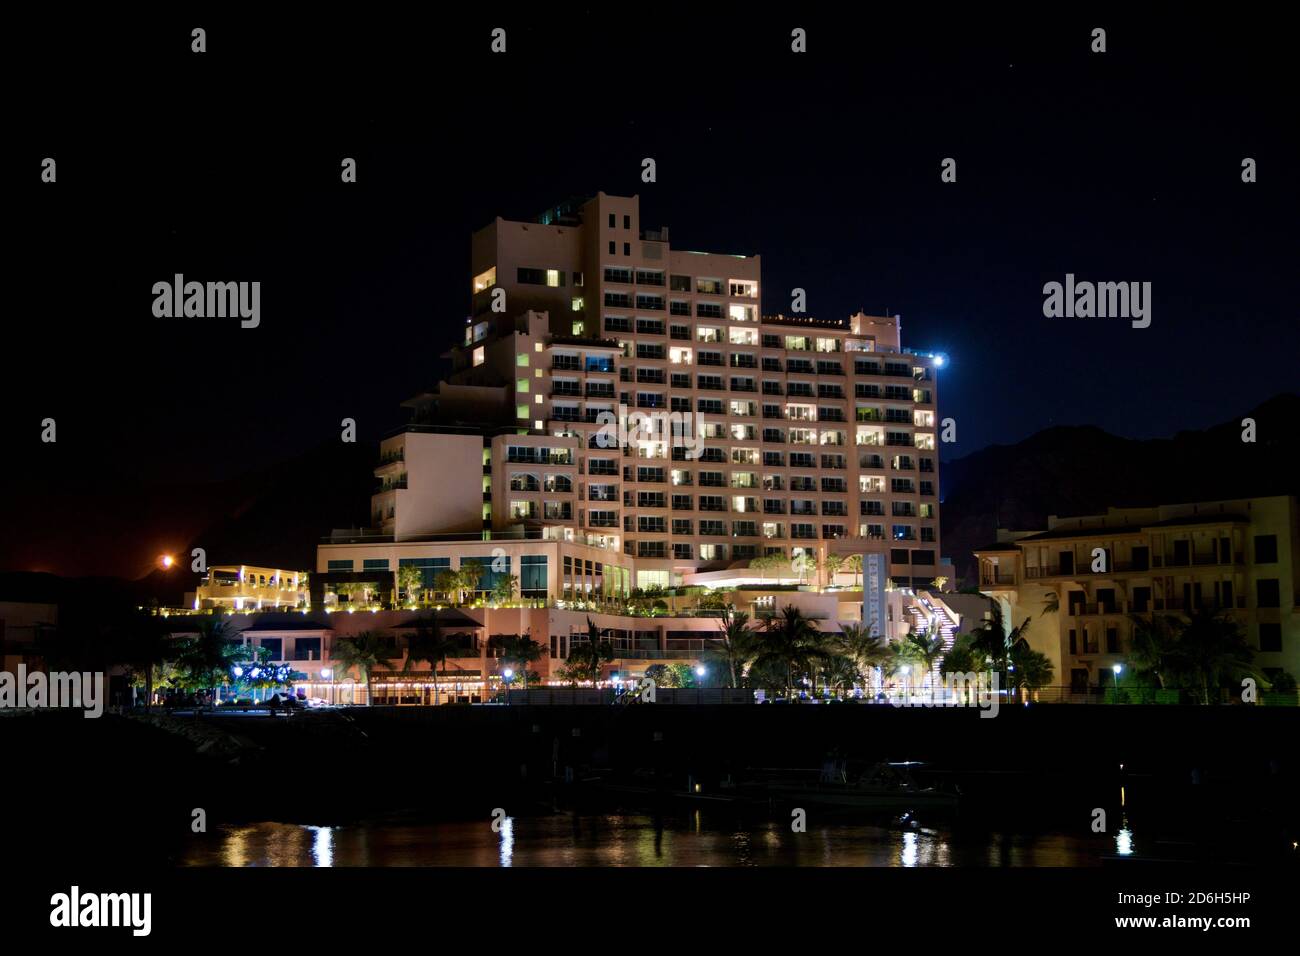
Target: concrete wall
{"type": "Point", "coordinates": [451, 464]}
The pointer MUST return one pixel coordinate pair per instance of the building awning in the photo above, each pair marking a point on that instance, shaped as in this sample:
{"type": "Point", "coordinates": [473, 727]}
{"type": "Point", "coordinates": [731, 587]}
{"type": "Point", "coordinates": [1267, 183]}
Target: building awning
{"type": "Point", "coordinates": [447, 618]}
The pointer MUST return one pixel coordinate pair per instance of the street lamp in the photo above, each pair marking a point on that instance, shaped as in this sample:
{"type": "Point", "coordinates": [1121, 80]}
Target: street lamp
{"type": "Point", "coordinates": [328, 674]}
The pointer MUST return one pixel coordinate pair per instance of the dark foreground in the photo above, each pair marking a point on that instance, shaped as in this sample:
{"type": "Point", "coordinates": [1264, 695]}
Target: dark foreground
{"type": "Point", "coordinates": [379, 824]}
{"type": "Point", "coordinates": [1208, 784]}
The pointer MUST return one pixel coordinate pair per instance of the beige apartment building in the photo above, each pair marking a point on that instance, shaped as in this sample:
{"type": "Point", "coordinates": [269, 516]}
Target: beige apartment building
{"type": "Point", "coordinates": [758, 435]}
{"type": "Point", "coordinates": [1237, 556]}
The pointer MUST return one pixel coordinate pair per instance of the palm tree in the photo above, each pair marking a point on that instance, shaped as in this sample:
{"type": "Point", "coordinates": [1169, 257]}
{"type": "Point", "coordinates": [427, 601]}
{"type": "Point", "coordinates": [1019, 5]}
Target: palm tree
{"type": "Point", "coordinates": [771, 675]}
{"type": "Point", "coordinates": [662, 675]}
{"type": "Point", "coordinates": [585, 660]}
{"type": "Point", "coordinates": [904, 657]}
{"type": "Point", "coordinates": [832, 564]}
{"type": "Point", "coordinates": [853, 564]}
{"type": "Point", "coordinates": [868, 650]}
{"type": "Point", "coordinates": [1211, 651]}
{"type": "Point", "coordinates": [146, 644]}
{"type": "Point", "coordinates": [940, 582]}
{"type": "Point", "coordinates": [804, 564]}
{"type": "Point", "coordinates": [364, 653]}
{"type": "Point", "coordinates": [1051, 603]}
{"type": "Point", "coordinates": [1152, 649]}
{"type": "Point", "coordinates": [793, 641]}
{"type": "Point", "coordinates": [775, 562]}
{"type": "Point", "coordinates": [928, 648]}
{"type": "Point", "coordinates": [503, 589]}
{"type": "Point", "coordinates": [206, 658]}
{"type": "Point", "coordinates": [428, 644]}
{"type": "Point", "coordinates": [839, 672]}
{"type": "Point", "coordinates": [520, 651]}
{"type": "Point", "coordinates": [411, 580]}
{"type": "Point", "coordinates": [1030, 670]}
{"type": "Point", "coordinates": [467, 579]}
{"type": "Point", "coordinates": [995, 642]}
{"type": "Point", "coordinates": [739, 645]}
{"type": "Point", "coordinates": [448, 582]}
{"type": "Point", "coordinates": [961, 659]}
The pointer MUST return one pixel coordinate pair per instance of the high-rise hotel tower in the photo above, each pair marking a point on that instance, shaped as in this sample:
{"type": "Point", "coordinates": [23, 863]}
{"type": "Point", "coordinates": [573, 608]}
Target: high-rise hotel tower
{"type": "Point", "coordinates": [800, 436]}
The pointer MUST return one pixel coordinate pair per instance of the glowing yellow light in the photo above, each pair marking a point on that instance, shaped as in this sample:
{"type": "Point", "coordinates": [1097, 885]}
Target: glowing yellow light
{"type": "Point", "coordinates": [167, 560]}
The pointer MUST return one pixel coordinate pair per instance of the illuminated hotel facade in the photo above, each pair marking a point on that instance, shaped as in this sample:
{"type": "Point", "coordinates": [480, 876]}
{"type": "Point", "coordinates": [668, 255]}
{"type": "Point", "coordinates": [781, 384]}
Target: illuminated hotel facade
{"type": "Point", "coordinates": [787, 437]}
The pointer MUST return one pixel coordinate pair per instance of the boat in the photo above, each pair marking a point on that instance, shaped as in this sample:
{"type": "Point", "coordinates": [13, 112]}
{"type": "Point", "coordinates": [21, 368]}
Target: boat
{"type": "Point", "coordinates": [884, 786]}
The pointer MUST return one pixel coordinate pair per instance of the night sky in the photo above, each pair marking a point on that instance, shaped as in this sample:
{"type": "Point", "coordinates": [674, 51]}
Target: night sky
{"type": "Point", "coordinates": [1122, 166]}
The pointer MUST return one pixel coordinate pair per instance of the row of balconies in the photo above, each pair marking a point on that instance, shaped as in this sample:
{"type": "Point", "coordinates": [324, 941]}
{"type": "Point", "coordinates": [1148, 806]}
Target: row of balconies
{"type": "Point", "coordinates": [550, 511]}
{"type": "Point", "coordinates": [1157, 562]}
{"type": "Point", "coordinates": [561, 485]}
{"type": "Point", "coordinates": [685, 550]}
{"type": "Point", "coordinates": [531, 456]}
{"type": "Point", "coordinates": [794, 412]}
{"type": "Point", "coordinates": [746, 360]}
{"type": "Point", "coordinates": [797, 460]}
{"type": "Point", "coordinates": [868, 507]}
{"type": "Point", "coordinates": [1103, 609]}
{"type": "Point", "coordinates": [576, 390]}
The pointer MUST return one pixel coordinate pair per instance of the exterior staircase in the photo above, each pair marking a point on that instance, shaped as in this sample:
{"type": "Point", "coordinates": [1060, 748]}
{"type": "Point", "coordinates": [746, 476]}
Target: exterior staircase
{"type": "Point", "coordinates": [924, 610]}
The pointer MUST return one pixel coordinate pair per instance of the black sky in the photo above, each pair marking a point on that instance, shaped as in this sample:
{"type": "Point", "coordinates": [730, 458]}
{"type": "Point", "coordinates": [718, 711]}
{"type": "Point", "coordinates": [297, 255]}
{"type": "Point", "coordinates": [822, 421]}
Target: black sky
{"type": "Point", "coordinates": [1115, 166]}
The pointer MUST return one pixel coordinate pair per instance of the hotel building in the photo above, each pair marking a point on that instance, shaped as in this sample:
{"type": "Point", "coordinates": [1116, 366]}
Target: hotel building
{"type": "Point", "coordinates": [776, 435]}
{"type": "Point", "coordinates": [1238, 557]}
{"type": "Point", "coordinates": [242, 587]}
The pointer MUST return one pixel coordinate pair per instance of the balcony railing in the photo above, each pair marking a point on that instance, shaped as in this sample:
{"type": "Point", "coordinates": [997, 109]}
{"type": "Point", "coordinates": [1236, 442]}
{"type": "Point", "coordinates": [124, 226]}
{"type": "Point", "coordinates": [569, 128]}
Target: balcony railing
{"type": "Point", "coordinates": [997, 579]}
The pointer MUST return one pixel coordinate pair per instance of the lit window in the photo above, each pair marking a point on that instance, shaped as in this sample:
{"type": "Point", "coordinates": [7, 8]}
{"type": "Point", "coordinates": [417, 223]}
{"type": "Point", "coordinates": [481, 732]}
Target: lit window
{"type": "Point", "coordinates": [479, 356]}
{"type": "Point", "coordinates": [521, 411]}
{"type": "Point", "coordinates": [522, 359]}
{"type": "Point", "coordinates": [521, 385]}
{"type": "Point", "coordinates": [537, 347]}
{"type": "Point", "coordinates": [578, 326]}
{"type": "Point", "coordinates": [553, 278]}
{"type": "Point", "coordinates": [577, 303]}
{"type": "Point", "coordinates": [485, 280]}
{"type": "Point", "coordinates": [537, 424]}
{"type": "Point", "coordinates": [537, 399]}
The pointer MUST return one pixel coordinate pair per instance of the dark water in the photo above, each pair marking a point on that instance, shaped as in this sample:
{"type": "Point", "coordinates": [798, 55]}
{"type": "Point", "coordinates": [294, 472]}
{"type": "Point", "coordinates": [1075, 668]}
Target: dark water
{"type": "Point", "coordinates": [690, 839]}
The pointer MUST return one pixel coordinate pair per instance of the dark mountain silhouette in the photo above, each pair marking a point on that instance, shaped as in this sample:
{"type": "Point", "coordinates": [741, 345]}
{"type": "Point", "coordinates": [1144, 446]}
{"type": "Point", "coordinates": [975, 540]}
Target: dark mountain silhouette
{"type": "Point", "coordinates": [281, 516]}
{"type": "Point", "coordinates": [1084, 470]}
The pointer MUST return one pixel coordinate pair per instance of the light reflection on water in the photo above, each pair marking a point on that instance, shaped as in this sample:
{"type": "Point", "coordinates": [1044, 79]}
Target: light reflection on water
{"type": "Point", "coordinates": [627, 840]}
{"type": "Point", "coordinates": [507, 841]}
{"type": "Point", "coordinates": [322, 849]}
